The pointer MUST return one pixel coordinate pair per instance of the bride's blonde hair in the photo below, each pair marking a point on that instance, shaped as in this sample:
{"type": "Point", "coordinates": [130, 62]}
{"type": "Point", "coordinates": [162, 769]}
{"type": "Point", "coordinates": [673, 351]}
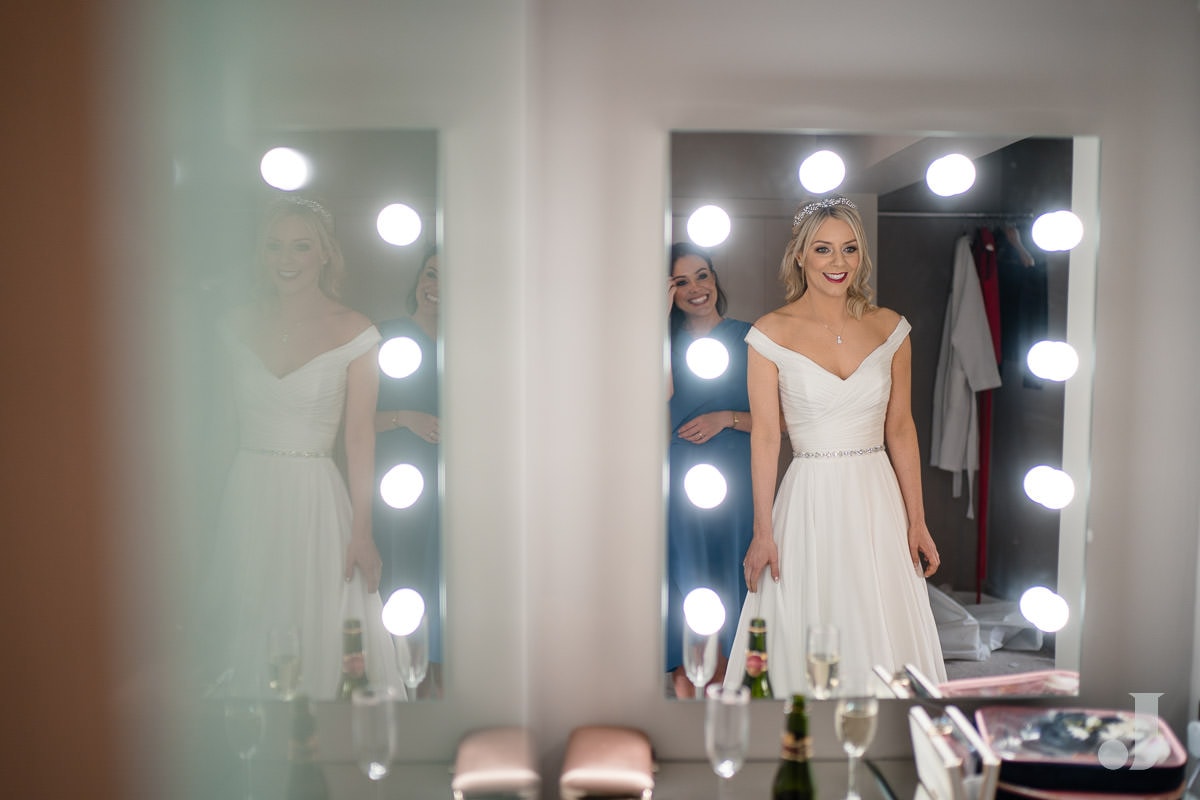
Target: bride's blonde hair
{"type": "Point", "coordinates": [859, 297]}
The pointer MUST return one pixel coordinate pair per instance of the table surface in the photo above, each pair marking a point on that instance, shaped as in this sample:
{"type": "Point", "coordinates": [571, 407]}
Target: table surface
{"type": "Point", "coordinates": [675, 780]}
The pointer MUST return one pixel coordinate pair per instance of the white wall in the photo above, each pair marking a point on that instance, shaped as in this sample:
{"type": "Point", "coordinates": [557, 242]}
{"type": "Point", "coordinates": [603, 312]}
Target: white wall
{"type": "Point", "coordinates": [611, 78]}
{"type": "Point", "coordinates": [555, 116]}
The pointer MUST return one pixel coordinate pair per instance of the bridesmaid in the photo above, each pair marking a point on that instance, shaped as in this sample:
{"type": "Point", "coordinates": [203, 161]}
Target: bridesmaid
{"type": "Point", "coordinates": [710, 423]}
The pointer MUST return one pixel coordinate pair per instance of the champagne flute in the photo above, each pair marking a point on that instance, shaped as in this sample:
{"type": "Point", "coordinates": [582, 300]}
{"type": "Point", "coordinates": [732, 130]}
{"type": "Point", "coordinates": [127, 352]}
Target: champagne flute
{"type": "Point", "coordinates": [699, 657]}
{"type": "Point", "coordinates": [704, 615]}
{"type": "Point", "coordinates": [823, 655]}
{"type": "Point", "coordinates": [245, 720]}
{"type": "Point", "coordinates": [726, 731]}
{"type": "Point", "coordinates": [283, 654]}
{"type": "Point", "coordinates": [855, 725]}
{"type": "Point", "coordinates": [413, 657]}
{"type": "Point", "coordinates": [373, 731]}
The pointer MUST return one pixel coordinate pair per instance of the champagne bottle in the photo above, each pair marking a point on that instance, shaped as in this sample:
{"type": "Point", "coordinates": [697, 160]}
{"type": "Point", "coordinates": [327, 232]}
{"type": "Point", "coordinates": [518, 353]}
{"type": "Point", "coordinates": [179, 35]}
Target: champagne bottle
{"type": "Point", "coordinates": [354, 665]}
{"type": "Point", "coordinates": [306, 778]}
{"type": "Point", "coordinates": [756, 676]}
{"type": "Point", "coordinates": [793, 779]}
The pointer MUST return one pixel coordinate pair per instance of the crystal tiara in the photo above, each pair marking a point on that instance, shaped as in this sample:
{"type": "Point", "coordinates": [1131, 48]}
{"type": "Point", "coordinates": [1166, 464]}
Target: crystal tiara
{"type": "Point", "coordinates": [817, 205]}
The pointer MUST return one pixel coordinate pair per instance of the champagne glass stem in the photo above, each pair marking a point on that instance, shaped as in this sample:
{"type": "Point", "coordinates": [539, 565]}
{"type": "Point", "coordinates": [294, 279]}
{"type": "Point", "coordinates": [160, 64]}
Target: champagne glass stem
{"type": "Point", "coordinates": [249, 778]}
{"type": "Point", "coordinates": [851, 791]}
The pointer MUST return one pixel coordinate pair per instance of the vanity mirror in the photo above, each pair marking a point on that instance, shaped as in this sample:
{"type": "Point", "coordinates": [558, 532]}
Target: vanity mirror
{"type": "Point", "coordinates": [995, 542]}
{"type": "Point", "coordinates": [378, 193]}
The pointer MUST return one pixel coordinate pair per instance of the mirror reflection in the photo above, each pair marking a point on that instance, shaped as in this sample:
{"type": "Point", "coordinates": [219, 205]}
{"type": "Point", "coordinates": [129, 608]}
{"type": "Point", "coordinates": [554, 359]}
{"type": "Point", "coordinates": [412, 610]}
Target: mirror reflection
{"type": "Point", "coordinates": [325, 430]}
{"type": "Point", "coordinates": [994, 542]}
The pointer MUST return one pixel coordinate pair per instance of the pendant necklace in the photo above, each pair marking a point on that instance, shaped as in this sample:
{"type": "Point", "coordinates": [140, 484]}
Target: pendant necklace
{"type": "Point", "coordinates": [837, 335]}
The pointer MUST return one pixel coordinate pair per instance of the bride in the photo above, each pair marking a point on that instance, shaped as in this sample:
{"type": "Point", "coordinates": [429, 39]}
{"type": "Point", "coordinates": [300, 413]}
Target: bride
{"type": "Point", "coordinates": [296, 533]}
{"type": "Point", "coordinates": [844, 541]}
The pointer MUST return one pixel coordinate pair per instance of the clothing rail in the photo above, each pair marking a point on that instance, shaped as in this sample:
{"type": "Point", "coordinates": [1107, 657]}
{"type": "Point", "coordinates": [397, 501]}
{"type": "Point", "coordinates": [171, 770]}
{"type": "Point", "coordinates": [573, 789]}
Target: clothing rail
{"type": "Point", "coordinates": [954, 215]}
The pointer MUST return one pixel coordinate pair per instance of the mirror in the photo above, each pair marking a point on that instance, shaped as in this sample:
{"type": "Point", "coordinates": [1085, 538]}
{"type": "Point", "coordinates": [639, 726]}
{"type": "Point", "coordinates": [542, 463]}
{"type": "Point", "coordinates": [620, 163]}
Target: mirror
{"type": "Point", "coordinates": [391, 278]}
{"type": "Point", "coordinates": [994, 541]}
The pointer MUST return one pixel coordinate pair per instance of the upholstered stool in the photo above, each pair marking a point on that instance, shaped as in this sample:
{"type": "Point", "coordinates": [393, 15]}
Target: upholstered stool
{"type": "Point", "coordinates": [496, 762]}
{"type": "Point", "coordinates": [604, 761]}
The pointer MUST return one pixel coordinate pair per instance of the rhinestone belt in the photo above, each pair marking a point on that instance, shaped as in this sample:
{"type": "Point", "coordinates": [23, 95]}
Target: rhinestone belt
{"type": "Point", "coordinates": [862, 451]}
{"type": "Point", "coordinates": [289, 453]}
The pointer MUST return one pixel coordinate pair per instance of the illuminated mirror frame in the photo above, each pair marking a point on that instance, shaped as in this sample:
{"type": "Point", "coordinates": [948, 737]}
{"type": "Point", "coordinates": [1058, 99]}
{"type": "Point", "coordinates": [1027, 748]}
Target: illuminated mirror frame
{"type": "Point", "coordinates": [1080, 324]}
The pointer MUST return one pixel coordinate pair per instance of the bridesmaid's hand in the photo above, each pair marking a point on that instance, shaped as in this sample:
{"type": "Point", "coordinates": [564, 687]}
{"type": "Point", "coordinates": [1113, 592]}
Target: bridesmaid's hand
{"type": "Point", "coordinates": [699, 430]}
{"type": "Point", "coordinates": [362, 555]}
{"type": "Point", "coordinates": [761, 554]}
{"type": "Point", "coordinates": [425, 426]}
{"type": "Point", "coordinates": [922, 549]}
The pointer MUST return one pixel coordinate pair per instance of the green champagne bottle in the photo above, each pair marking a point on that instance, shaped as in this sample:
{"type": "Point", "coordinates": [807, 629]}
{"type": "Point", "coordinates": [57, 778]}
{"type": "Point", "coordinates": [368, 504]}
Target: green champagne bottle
{"type": "Point", "coordinates": [756, 676]}
{"type": "Point", "coordinates": [793, 779]}
{"type": "Point", "coordinates": [306, 778]}
{"type": "Point", "coordinates": [354, 665]}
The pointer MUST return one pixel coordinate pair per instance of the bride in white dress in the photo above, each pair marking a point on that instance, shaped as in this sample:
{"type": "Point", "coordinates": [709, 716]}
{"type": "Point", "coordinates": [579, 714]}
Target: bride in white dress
{"type": "Point", "coordinates": [296, 534]}
{"type": "Point", "coordinates": [844, 541]}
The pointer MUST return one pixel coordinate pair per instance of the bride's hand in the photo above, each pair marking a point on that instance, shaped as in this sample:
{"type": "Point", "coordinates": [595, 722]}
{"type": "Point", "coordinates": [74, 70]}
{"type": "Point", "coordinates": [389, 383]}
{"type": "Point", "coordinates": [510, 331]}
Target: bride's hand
{"type": "Point", "coordinates": [761, 554]}
{"type": "Point", "coordinates": [920, 544]}
{"type": "Point", "coordinates": [362, 555]}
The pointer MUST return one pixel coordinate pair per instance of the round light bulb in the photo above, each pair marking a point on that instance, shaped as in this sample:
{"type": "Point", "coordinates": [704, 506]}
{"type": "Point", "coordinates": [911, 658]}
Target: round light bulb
{"type": "Point", "coordinates": [705, 486]}
{"type": "Point", "coordinates": [704, 611]}
{"type": "Point", "coordinates": [707, 358]}
{"type": "Point", "coordinates": [1043, 608]}
{"type": "Point", "coordinates": [398, 224]}
{"type": "Point", "coordinates": [403, 612]}
{"type": "Point", "coordinates": [1052, 361]}
{"type": "Point", "coordinates": [1050, 487]}
{"type": "Point", "coordinates": [950, 175]}
{"type": "Point", "coordinates": [1057, 230]}
{"type": "Point", "coordinates": [708, 226]}
{"type": "Point", "coordinates": [822, 172]}
{"type": "Point", "coordinates": [401, 486]}
{"type": "Point", "coordinates": [284, 168]}
{"type": "Point", "coordinates": [399, 357]}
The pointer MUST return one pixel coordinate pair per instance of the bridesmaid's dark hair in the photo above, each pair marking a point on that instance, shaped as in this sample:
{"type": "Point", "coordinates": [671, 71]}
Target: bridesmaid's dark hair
{"type": "Point", "coordinates": [678, 251]}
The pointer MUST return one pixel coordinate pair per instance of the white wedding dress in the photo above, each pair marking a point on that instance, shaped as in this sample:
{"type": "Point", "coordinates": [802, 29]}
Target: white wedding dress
{"type": "Point", "coordinates": [841, 530]}
{"type": "Point", "coordinates": [285, 521]}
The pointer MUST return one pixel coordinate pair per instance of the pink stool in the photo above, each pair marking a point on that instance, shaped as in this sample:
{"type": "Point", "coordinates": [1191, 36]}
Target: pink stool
{"type": "Point", "coordinates": [605, 761]}
{"type": "Point", "coordinates": [496, 761]}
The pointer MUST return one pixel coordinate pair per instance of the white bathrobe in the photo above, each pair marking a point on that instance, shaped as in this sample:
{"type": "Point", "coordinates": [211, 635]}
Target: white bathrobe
{"type": "Point", "coordinates": [966, 365]}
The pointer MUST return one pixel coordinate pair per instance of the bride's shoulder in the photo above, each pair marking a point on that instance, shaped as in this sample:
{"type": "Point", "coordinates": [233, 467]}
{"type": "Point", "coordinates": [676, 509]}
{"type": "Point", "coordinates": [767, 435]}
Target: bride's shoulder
{"type": "Point", "coordinates": [882, 320]}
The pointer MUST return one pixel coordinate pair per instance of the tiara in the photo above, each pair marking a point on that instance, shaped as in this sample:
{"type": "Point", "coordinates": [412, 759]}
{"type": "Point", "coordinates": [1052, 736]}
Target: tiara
{"type": "Point", "coordinates": [311, 205]}
{"type": "Point", "coordinates": [818, 205]}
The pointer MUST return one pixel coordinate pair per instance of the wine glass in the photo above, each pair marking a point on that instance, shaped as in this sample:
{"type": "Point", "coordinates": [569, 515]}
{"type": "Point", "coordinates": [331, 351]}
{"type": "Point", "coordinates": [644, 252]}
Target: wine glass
{"type": "Point", "coordinates": [699, 657]}
{"type": "Point", "coordinates": [823, 655]}
{"type": "Point", "coordinates": [284, 662]}
{"type": "Point", "coordinates": [726, 731]}
{"type": "Point", "coordinates": [245, 720]}
{"type": "Point", "coordinates": [413, 657]}
{"type": "Point", "coordinates": [373, 731]}
{"type": "Point", "coordinates": [854, 722]}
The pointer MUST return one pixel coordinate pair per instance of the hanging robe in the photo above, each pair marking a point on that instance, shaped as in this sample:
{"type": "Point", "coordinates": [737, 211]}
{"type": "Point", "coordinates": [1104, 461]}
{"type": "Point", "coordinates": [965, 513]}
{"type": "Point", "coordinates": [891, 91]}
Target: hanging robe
{"type": "Point", "coordinates": [966, 365]}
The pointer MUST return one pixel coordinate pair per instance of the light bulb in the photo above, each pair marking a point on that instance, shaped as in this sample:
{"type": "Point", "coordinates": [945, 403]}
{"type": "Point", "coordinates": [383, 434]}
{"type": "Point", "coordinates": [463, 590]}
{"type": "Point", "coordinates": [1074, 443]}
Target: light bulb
{"type": "Point", "coordinates": [707, 357]}
{"type": "Point", "coordinates": [708, 226]}
{"type": "Point", "coordinates": [1052, 361]}
{"type": "Point", "coordinates": [284, 168]}
{"type": "Point", "coordinates": [1050, 487]}
{"type": "Point", "coordinates": [704, 611]}
{"type": "Point", "coordinates": [950, 175]}
{"type": "Point", "coordinates": [705, 486]}
{"type": "Point", "coordinates": [398, 224]}
{"type": "Point", "coordinates": [1057, 230]}
{"type": "Point", "coordinates": [399, 357]}
{"type": "Point", "coordinates": [1046, 610]}
{"type": "Point", "coordinates": [822, 172]}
